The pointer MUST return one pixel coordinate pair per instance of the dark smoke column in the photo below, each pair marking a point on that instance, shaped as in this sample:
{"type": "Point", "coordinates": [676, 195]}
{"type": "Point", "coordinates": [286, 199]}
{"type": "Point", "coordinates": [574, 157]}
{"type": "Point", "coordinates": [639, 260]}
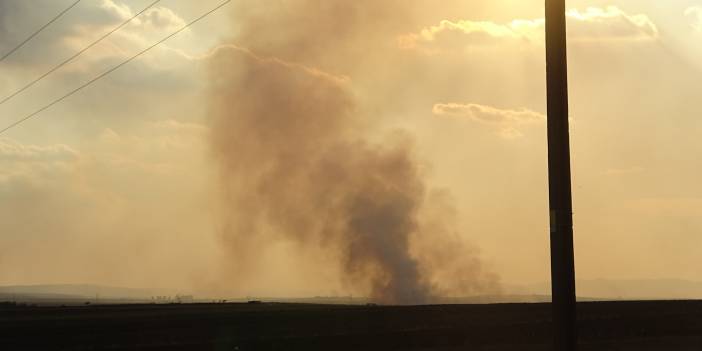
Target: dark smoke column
{"type": "Point", "coordinates": [560, 197]}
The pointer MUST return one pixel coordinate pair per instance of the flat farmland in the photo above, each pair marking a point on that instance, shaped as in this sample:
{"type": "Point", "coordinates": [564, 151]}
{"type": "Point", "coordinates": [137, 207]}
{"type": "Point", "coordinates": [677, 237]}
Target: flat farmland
{"type": "Point", "coordinates": [640, 326]}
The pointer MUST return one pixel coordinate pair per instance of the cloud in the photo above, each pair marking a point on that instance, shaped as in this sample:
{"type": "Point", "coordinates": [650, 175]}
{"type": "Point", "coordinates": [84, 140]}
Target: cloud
{"type": "Point", "coordinates": [106, 12]}
{"type": "Point", "coordinates": [142, 90]}
{"type": "Point", "coordinates": [121, 196]}
{"type": "Point", "coordinates": [110, 12]}
{"type": "Point", "coordinates": [507, 121]}
{"type": "Point", "coordinates": [610, 23]}
{"type": "Point", "coordinates": [593, 24]}
{"type": "Point", "coordinates": [141, 32]}
{"type": "Point", "coordinates": [695, 15]}
{"type": "Point", "coordinates": [13, 151]}
{"type": "Point", "coordinates": [157, 149]}
{"type": "Point", "coordinates": [472, 33]}
{"type": "Point", "coordinates": [163, 18]}
{"type": "Point", "coordinates": [79, 27]}
{"type": "Point", "coordinates": [34, 164]}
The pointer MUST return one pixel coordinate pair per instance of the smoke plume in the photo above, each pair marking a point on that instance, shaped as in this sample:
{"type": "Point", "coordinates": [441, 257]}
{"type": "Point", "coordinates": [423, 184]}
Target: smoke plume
{"type": "Point", "coordinates": [297, 163]}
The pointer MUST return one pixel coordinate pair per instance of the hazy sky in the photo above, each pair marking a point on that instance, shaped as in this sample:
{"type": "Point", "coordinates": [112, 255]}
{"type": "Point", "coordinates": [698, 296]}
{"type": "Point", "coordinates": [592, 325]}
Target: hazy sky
{"type": "Point", "coordinates": [117, 184]}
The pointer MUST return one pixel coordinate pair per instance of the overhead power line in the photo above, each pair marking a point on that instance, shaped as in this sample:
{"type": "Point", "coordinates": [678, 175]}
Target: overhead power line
{"type": "Point", "coordinates": [25, 41]}
{"type": "Point", "coordinates": [30, 84]}
{"type": "Point", "coordinates": [33, 114]}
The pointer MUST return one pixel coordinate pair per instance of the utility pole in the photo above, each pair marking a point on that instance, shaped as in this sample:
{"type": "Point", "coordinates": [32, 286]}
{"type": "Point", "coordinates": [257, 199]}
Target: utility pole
{"type": "Point", "coordinates": [559, 180]}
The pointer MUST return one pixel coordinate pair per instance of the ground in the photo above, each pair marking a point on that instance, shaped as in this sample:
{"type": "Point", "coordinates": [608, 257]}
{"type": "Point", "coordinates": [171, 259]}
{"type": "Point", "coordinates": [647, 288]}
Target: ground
{"type": "Point", "coordinates": [640, 326]}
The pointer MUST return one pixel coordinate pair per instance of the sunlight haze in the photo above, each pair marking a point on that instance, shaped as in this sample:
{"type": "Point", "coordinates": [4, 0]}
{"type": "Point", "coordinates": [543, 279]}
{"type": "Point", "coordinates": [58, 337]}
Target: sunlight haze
{"type": "Point", "coordinates": [230, 160]}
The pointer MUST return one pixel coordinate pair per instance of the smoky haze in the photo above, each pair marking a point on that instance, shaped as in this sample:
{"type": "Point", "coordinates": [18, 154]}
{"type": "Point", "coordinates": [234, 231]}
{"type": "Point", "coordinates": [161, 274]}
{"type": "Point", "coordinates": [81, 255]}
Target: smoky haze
{"type": "Point", "coordinates": [116, 186]}
{"type": "Point", "coordinates": [298, 163]}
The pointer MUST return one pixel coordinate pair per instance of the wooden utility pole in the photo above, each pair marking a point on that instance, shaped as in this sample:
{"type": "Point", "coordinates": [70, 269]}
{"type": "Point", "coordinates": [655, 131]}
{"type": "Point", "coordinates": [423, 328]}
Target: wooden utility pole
{"type": "Point", "coordinates": [560, 196]}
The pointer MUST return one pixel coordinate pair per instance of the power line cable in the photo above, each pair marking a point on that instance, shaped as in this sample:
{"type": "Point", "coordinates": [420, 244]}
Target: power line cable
{"type": "Point", "coordinates": [38, 31]}
{"type": "Point", "coordinates": [27, 117]}
{"type": "Point", "coordinates": [76, 55]}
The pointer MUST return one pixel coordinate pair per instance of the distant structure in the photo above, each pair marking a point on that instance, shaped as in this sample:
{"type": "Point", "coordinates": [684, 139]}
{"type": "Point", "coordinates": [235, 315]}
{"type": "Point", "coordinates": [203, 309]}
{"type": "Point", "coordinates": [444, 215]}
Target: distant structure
{"type": "Point", "coordinates": [173, 299]}
{"type": "Point", "coordinates": [184, 299]}
{"type": "Point", "coordinates": [161, 299]}
{"type": "Point", "coordinates": [560, 196]}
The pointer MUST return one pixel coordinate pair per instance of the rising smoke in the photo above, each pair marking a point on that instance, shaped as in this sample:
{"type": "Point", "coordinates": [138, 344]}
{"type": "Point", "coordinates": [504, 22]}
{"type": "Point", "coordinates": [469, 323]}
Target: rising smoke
{"type": "Point", "coordinates": [298, 164]}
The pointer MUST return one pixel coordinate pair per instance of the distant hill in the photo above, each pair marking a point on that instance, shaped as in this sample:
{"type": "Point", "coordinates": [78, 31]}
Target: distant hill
{"type": "Point", "coordinates": [652, 289]}
{"type": "Point", "coordinates": [588, 290]}
{"type": "Point", "coordinates": [73, 291]}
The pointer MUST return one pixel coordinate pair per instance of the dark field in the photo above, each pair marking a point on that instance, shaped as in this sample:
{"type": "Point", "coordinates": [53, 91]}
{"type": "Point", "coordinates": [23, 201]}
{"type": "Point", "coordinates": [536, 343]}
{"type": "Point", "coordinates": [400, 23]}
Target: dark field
{"type": "Point", "coordinates": [637, 326]}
